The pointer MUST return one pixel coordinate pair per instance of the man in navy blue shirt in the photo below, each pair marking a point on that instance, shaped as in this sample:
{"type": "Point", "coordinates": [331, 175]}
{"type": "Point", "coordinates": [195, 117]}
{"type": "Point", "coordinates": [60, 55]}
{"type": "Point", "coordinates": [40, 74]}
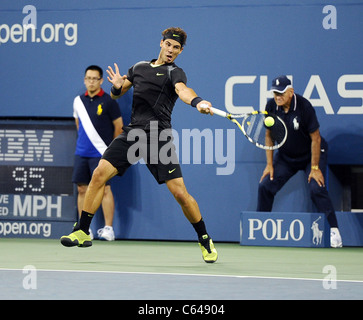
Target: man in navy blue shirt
{"type": "Point", "coordinates": [304, 149]}
{"type": "Point", "coordinates": [98, 120]}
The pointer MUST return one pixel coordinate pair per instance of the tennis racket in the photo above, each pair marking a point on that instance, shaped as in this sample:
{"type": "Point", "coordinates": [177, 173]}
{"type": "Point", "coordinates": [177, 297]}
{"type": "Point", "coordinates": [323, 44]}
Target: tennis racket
{"type": "Point", "coordinates": [269, 135]}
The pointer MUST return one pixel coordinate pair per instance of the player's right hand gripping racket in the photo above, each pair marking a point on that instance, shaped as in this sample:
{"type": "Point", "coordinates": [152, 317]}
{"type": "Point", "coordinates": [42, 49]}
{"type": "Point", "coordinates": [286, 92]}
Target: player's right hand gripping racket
{"type": "Point", "coordinates": [269, 136]}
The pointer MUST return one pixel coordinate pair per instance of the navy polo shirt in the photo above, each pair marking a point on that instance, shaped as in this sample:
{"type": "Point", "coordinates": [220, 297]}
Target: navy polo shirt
{"type": "Point", "coordinates": [102, 111]}
{"type": "Point", "coordinates": [300, 121]}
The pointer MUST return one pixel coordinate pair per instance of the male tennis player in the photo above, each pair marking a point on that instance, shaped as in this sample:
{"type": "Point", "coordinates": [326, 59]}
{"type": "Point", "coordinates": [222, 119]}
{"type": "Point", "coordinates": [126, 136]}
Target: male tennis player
{"type": "Point", "coordinates": [157, 85]}
{"type": "Point", "coordinates": [304, 149]}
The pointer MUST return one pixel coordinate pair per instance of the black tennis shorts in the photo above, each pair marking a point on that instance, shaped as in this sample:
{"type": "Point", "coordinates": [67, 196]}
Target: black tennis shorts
{"type": "Point", "coordinates": [159, 156]}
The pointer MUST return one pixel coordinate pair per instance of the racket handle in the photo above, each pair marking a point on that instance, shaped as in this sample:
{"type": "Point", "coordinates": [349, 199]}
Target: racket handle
{"type": "Point", "coordinates": [216, 111]}
{"type": "Point", "coordinates": [219, 112]}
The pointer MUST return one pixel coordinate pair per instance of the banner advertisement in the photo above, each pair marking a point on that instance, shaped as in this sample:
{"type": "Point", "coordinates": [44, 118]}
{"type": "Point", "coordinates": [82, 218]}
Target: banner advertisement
{"type": "Point", "coordinates": [284, 229]}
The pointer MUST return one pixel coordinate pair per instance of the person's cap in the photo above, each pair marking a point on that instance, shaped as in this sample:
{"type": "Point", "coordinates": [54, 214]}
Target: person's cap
{"type": "Point", "coordinates": [281, 84]}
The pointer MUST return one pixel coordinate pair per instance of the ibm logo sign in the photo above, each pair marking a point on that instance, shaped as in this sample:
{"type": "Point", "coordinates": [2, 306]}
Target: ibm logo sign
{"type": "Point", "coordinates": [26, 145]}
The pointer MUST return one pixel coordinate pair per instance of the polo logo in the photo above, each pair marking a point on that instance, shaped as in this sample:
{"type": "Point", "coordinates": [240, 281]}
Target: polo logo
{"type": "Point", "coordinates": [296, 124]}
{"type": "Point", "coordinates": [317, 234]}
{"type": "Point", "coordinates": [99, 109]}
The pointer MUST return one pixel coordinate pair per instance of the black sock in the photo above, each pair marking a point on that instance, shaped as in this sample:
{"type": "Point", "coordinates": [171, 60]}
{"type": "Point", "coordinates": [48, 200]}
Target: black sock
{"type": "Point", "coordinates": [199, 227]}
{"type": "Point", "coordinates": [85, 221]}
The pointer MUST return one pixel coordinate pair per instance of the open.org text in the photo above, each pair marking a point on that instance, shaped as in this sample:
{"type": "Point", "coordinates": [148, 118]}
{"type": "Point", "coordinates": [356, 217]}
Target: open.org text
{"type": "Point", "coordinates": [8, 228]}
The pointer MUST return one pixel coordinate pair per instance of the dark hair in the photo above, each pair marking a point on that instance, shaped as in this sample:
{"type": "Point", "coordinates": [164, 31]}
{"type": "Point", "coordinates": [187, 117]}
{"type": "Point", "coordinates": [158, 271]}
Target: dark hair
{"type": "Point", "coordinates": [175, 33]}
{"type": "Point", "coordinates": [97, 68]}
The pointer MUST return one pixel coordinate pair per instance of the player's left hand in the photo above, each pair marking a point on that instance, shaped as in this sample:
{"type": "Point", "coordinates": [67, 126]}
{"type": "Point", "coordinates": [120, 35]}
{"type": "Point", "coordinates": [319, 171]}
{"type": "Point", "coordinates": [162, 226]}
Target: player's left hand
{"type": "Point", "coordinates": [114, 77]}
{"type": "Point", "coordinates": [317, 175]}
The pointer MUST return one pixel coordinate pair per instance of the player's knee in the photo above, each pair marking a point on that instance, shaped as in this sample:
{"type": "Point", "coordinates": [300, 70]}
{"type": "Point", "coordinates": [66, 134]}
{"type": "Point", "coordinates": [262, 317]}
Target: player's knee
{"type": "Point", "coordinates": [180, 194]}
{"type": "Point", "coordinates": [98, 177]}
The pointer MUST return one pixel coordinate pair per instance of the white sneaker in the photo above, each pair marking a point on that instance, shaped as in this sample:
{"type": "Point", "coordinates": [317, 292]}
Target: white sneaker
{"type": "Point", "coordinates": [335, 238]}
{"type": "Point", "coordinates": [106, 233]}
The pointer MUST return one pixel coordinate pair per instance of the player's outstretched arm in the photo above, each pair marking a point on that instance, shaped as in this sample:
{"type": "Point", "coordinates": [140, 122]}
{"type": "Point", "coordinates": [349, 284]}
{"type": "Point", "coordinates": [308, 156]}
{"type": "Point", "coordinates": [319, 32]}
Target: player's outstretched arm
{"type": "Point", "coordinates": [187, 95]}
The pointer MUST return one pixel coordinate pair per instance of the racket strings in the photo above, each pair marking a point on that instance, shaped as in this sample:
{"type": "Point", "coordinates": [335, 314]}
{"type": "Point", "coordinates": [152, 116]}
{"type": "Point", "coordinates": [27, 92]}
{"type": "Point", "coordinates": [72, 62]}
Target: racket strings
{"type": "Point", "coordinates": [278, 132]}
{"type": "Point", "coordinates": [255, 128]}
{"type": "Point", "coordinates": [258, 133]}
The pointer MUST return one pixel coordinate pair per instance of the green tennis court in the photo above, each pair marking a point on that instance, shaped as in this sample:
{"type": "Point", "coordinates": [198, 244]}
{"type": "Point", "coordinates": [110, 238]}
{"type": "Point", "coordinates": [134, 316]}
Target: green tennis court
{"type": "Point", "coordinates": [175, 270]}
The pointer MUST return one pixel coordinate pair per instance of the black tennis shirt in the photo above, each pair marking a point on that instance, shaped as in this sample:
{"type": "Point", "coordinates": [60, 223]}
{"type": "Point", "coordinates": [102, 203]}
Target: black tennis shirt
{"type": "Point", "coordinates": [154, 94]}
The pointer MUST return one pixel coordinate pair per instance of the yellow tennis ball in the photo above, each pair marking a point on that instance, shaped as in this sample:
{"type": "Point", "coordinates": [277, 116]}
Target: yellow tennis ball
{"type": "Point", "coordinates": [269, 121]}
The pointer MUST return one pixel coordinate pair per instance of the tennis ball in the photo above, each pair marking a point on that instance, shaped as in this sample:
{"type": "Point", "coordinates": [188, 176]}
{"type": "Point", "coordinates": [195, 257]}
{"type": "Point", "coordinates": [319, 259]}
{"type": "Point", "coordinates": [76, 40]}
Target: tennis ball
{"type": "Point", "coordinates": [269, 121]}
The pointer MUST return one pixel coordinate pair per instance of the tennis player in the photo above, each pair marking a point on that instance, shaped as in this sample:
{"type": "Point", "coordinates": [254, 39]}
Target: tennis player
{"type": "Point", "coordinates": [157, 85]}
{"type": "Point", "coordinates": [304, 149]}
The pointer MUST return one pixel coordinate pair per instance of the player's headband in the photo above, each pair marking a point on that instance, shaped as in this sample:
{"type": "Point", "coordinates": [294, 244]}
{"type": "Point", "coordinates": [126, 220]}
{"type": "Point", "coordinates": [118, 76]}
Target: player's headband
{"type": "Point", "coordinates": [175, 36]}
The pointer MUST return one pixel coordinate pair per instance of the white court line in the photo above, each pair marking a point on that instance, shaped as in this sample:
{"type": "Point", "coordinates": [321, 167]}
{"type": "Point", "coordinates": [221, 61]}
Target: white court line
{"type": "Point", "coordinates": [183, 274]}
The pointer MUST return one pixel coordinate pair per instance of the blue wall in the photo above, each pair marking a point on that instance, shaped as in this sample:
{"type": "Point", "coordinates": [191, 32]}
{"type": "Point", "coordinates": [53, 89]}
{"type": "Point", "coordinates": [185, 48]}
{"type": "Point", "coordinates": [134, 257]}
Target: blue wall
{"type": "Point", "coordinates": [233, 51]}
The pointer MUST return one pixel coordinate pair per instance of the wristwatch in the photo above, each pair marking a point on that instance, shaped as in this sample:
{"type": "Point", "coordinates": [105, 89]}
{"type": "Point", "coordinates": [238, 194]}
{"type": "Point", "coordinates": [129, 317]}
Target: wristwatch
{"type": "Point", "coordinates": [314, 167]}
